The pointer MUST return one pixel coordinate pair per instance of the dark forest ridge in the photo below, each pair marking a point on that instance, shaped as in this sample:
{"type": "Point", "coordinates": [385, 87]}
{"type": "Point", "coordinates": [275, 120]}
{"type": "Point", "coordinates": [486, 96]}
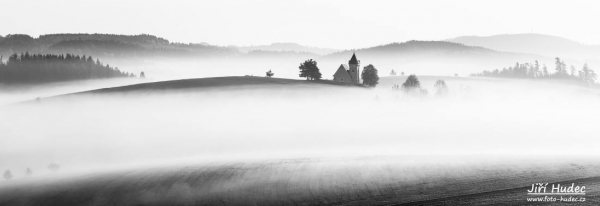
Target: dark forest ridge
{"type": "Point", "coordinates": [115, 45]}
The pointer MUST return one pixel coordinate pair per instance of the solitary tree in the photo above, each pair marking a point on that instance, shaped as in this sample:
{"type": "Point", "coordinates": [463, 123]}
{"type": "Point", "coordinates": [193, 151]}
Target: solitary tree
{"type": "Point", "coordinates": [8, 175]}
{"type": "Point", "coordinates": [142, 75]}
{"type": "Point", "coordinates": [441, 87]}
{"type": "Point", "coordinates": [370, 76]}
{"type": "Point", "coordinates": [411, 83]}
{"type": "Point", "coordinates": [560, 67]}
{"type": "Point", "coordinates": [310, 70]}
{"type": "Point", "coordinates": [393, 73]}
{"type": "Point", "coordinates": [270, 74]}
{"type": "Point", "coordinates": [402, 73]}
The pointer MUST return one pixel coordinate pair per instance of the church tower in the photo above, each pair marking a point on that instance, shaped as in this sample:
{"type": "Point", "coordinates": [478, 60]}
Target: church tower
{"type": "Point", "coordinates": [354, 65]}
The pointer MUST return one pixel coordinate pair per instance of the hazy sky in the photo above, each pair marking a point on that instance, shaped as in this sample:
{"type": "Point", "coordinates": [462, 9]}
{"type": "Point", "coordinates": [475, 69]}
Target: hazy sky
{"type": "Point", "coordinates": [339, 24]}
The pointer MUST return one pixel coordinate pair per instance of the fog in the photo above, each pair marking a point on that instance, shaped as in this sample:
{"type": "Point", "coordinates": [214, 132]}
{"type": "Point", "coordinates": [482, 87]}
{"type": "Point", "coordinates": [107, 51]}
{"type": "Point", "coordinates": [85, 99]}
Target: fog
{"type": "Point", "coordinates": [479, 116]}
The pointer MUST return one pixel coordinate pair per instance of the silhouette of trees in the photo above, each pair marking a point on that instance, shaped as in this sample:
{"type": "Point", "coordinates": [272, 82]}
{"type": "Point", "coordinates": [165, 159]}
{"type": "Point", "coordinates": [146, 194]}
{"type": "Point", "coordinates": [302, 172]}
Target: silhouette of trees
{"type": "Point", "coordinates": [43, 68]}
{"type": "Point", "coordinates": [533, 71]}
{"type": "Point", "coordinates": [370, 76]}
{"type": "Point", "coordinates": [270, 74]}
{"type": "Point", "coordinates": [8, 175]}
{"type": "Point", "coordinates": [310, 70]}
{"type": "Point", "coordinates": [411, 83]}
{"type": "Point", "coordinates": [587, 75]}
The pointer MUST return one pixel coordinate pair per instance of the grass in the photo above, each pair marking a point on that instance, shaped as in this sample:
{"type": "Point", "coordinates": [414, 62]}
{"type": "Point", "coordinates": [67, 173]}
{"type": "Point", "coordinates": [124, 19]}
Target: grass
{"type": "Point", "coordinates": [381, 180]}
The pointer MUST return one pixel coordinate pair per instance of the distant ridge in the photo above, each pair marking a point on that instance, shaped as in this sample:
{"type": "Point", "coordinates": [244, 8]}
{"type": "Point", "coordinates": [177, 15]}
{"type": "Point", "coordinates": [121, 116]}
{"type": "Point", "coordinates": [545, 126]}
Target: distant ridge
{"type": "Point", "coordinates": [532, 43]}
{"type": "Point", "coordinates": [430, 57]}
{"type": "Point", "coordinates": [288, 46]}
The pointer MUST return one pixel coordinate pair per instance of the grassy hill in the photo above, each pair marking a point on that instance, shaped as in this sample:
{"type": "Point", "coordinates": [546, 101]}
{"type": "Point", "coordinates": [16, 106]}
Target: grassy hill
{"type": "Point", "coordinates": [215, 82]}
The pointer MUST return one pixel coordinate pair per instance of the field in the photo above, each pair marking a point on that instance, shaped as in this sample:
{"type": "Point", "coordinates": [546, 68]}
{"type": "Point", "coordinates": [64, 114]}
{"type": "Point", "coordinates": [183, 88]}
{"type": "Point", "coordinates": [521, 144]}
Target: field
{"type": "Point", "coordinates": [260, 141]}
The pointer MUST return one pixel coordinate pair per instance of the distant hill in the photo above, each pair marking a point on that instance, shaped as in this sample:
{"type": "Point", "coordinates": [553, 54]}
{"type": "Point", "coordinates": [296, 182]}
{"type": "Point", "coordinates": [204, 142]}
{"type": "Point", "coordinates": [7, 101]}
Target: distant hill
{"type": "Point", "coordinates": [428, 57]}
{"type": "Point", "coordinates": [108, 45]}
{"type": "Point", "coordinates": [546, 45]}
{"type": "Point", "coordinates": [288, 47]}
{"type": "Point", "coordinates": [144, 45]}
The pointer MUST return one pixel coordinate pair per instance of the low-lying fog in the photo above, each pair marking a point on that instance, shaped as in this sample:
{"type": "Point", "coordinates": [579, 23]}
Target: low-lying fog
{"type": "Point", "coordinates": [479, 116]}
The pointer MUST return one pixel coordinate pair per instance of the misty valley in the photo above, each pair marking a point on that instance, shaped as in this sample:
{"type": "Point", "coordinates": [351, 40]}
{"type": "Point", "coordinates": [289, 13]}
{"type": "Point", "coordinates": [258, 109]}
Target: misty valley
{"type": "Point", "coordinates": [106, 119]}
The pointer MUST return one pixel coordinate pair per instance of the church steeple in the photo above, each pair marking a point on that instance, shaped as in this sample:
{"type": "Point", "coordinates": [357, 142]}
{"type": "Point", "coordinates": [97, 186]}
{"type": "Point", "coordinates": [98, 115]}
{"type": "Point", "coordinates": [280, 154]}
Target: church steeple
{"type": "Point", "coordinates": [353, 59]}
{"type": "Point", "coordinates": [354, 68]}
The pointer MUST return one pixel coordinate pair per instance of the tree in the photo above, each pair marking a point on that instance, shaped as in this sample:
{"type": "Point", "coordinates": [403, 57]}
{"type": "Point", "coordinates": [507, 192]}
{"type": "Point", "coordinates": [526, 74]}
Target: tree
{"type": "Point", "coordinates": [370, 76]}
{"type": "Point", "coordinates": [545, 72]}
{"type": "Point", "coordinates": [441, 87]}
{"type": "Point", "coordinates": [28, 172]}
{"type": "Point", "coordinates": [270, 74]}
{"type": "Point", "coordinates": [561, 68]}
{"type": "Point", "coordinates": [535, 70]}
{"type": "Point", "coordinates": [8, 175]}
{"type": "Point", "coordinates": [310, 70]}
{"type": "Point", "coordinates": [411, 83]}
{"type": "Point", "coordinates": [142, 75]}
{"type": "Point", "coordinates": [393, 73]}
{"type": "Point", "coordinates": [402, 73]}
{"type": "Point", "coordinates": [588, 75]}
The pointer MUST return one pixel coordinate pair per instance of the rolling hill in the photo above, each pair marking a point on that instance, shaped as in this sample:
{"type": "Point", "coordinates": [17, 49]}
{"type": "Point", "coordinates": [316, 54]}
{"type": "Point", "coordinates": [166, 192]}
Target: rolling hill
{"type": "Point", "coordinates": [546, 45]}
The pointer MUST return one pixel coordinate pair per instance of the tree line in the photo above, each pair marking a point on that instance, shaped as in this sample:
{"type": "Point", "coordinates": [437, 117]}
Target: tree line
{"type": "Point", "coordinates": [107, 46]}
{"type": "Point", "coordinates": [45, 68]}
{"type": "Point", "coordinates": [534, 71]}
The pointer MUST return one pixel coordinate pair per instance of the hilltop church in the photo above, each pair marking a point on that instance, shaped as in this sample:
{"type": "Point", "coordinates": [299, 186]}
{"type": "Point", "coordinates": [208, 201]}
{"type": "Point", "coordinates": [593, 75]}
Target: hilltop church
{"type": "Point", "coordinates": [345, 74]}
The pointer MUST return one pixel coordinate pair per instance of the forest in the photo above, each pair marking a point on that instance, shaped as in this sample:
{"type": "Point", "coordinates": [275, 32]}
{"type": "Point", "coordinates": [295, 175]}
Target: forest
{"type": "Point", "coordinates": [535, 71]}
{"type": "Point", "coordinates": [45, 68]}
{"type": "Point", "coordinates": [107, 46]}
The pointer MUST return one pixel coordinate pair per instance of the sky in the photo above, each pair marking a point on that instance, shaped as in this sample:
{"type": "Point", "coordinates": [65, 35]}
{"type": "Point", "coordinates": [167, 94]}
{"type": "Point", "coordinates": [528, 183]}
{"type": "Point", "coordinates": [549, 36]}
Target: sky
{"type": "Point", "coordinates": [339, 24]}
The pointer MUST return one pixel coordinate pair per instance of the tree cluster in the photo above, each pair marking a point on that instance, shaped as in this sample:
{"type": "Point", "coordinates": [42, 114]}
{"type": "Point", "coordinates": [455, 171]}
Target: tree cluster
{"type": "Point", "coordinates": [44, 68]}
{"type": "Point", "coordinates": [534, 71]}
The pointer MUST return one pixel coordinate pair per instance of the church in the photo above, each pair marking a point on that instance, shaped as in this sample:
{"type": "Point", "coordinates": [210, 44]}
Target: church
{"type": "Point", "coordinates": [348, 72]}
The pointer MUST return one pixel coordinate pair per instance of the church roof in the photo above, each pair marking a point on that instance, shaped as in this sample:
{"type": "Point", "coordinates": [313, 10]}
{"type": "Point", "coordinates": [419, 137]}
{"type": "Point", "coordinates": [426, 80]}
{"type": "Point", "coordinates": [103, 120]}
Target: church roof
{"type": "Point", "coordinates": [342, 72]}
{"type": "Point", "coordinates": [353, 59]}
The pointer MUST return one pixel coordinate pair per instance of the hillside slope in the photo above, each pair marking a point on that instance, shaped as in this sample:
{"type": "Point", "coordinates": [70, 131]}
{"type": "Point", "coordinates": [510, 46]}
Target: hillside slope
{"type": "Point", "coordinates": [215, 82]}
